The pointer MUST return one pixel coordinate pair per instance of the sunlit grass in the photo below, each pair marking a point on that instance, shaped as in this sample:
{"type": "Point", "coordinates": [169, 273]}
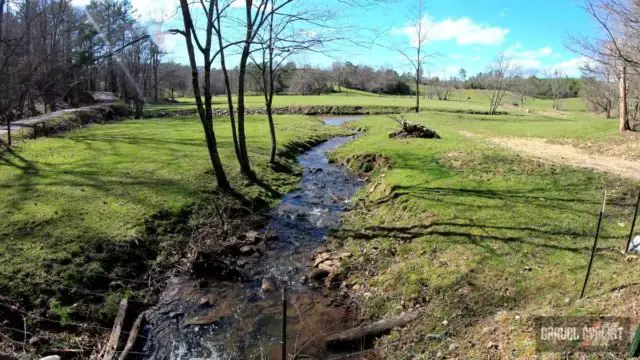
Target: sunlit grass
{"type": "Point", "coordinates": [476, 234]}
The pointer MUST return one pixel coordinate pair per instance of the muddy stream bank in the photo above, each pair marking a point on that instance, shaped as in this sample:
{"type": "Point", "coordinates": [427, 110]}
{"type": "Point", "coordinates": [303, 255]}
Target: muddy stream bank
{"type": "Point", "coordinates": [198, 319]}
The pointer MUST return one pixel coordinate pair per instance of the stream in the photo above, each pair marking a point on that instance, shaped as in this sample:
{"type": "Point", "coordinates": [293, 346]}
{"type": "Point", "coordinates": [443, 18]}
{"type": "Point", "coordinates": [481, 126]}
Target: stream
{"type": "Point", "coordinates": [243, 320]}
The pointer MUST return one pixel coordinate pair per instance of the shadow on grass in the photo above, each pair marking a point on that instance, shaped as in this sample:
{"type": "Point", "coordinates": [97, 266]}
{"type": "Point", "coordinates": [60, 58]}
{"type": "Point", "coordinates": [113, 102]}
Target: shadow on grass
{"type": "Point", "coordinates": [529, 197]}
{"type": "Point", "coordinates": [442, 229]}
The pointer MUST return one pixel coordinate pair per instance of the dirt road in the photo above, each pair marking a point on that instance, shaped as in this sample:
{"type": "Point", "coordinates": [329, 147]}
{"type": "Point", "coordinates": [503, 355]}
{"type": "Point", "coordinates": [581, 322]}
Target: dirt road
{"type": "Point", "coordinates": [32, 122]}
{"type": "Point", "coordinates": [569, 155]}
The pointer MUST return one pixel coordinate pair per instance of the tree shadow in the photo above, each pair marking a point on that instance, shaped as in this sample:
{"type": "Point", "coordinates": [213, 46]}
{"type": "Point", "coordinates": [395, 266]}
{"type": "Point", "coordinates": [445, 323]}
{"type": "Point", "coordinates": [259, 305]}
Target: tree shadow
{"type": "Point", "coordinates": [531, 197]}
{"type": "Point", "coordinates": [281, 167]}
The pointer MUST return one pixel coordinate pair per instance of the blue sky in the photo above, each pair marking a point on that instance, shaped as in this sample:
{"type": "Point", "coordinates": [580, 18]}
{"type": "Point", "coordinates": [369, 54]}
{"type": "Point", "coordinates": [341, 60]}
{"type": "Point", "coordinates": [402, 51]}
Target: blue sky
{"type": "Point", "coordinates": [462, 33]}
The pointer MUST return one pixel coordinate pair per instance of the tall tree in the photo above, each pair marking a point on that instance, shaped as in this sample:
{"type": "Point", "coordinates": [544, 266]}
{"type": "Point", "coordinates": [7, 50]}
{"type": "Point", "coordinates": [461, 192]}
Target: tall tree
{"type": "Point", "coordinates": [205, 112]}
{"type": "Point", "coordinates": [416, 55]}
{"type": "Point", "coordinates": [463, 77]}
{"type": "Point", "coordinates": [619, 44]}
{"type": "Point", "coordinates": [255, 17]}
{"type": "Point", "coordinates": [278, 41]}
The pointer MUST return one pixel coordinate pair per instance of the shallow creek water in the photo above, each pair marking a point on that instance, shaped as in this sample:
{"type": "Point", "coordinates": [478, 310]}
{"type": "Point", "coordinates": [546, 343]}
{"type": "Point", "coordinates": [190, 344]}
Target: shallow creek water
{"type": "Point", "coordinates": [238, 320]}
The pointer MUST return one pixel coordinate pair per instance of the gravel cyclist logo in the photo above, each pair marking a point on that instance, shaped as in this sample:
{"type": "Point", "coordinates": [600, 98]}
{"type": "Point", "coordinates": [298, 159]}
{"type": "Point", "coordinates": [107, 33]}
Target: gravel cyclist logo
{"type": "Point", "coordinates": [583, 334]}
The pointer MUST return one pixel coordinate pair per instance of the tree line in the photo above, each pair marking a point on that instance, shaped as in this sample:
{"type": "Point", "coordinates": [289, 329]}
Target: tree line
{"type": "Point", "coordinates": [52, 51]}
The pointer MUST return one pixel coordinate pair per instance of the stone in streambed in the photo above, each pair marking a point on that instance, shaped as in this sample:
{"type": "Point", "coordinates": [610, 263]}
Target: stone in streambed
{"type": "Point", "coordinates": [247, 250]}
{"type": "Point", "coordinates": [319, 274]}
{"type": "Point", "coordinates": [267, 285]}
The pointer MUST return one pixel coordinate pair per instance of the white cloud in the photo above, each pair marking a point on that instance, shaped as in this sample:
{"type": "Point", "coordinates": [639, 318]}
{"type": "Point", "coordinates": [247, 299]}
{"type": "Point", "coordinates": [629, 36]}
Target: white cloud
{"type": "Point", "coordinates": [570, 67]}
{"type": "Point", "coordinates": [528, 59]}
{"type": "Point", "coordinates": [463, 30]}
{"type": "Point", "coordinates": [527, 64]}
{"type": "Point", "coordinates": [515, 52]}
{"type": "Point", "coordinates": [503, 12]}
{"type": "Point", "coordinates": [545, 51]}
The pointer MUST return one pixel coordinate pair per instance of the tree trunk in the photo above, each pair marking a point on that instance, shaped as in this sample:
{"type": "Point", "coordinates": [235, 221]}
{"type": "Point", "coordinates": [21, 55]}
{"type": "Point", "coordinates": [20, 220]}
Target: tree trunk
{"type": "Point", "coordinates": [227, 84]}
{"type": "Point", "coordinates": [2, 2]}
{"type": "Point", "coordinates": [205, 116]}
{"type": "Point", "coordinates": [156, 64]}
{"type": "Point", "coordinates": [272, 131]}
{"type": "Point", "coordinates": [245, 167]}
{"type": "Point", "coordinates": [418, 89]}
{"type": "Point", "coordinates": [9, 130]}
{"type": "Point", "coordinates": [375, 329]}
{"type": "Point", "coordinates": [624, 121]}
{"type": "Point", "coordinates": [139, 105]}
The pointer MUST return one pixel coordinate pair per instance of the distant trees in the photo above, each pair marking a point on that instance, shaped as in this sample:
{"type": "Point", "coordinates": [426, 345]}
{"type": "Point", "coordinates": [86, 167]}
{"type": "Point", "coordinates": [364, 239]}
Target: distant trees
{"type": "Point", "coordinates": [310, 81]}
{"type": "Point", "coordinates": [51, 50]}
{"type": "Point", "coordinates": [600, 89]}
{"type": "Point", "coordinates": [366, 78]}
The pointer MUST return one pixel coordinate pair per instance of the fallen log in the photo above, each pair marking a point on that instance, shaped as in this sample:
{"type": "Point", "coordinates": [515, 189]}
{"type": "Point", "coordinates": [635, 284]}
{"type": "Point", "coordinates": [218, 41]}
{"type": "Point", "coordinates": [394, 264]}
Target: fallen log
{"type": "Point", "coordinates": [372, 330]}
{"type": "Point", "coordinates": [133, 335]}
{"type": "Point", "coordinates": [112, 344]}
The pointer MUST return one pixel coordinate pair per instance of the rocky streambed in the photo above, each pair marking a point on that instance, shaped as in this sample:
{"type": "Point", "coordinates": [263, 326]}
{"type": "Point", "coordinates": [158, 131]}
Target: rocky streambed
{"type": "Point", "coordinates": [240, 317]}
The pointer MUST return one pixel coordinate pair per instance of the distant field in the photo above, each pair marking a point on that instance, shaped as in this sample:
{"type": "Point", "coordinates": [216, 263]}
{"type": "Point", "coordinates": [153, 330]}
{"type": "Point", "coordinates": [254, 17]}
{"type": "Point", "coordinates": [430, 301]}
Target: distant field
{"type": "Point", "coordinates": [475, 100]}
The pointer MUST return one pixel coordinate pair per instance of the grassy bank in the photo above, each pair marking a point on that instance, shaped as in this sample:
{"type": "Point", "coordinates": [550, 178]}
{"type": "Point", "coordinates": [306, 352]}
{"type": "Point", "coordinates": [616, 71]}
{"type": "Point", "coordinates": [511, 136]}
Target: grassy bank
{"type": "Point", "coordinates": [481, 238]}
{"type": "Point", "coordinates": [84, 214]}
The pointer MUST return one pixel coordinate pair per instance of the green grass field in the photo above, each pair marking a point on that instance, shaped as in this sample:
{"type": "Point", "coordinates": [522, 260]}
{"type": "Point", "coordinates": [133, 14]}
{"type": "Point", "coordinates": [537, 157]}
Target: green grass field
{"type": "Point", "coordinates": [64, 198]}
{"type": "Point", "coordinates": [479, 237]}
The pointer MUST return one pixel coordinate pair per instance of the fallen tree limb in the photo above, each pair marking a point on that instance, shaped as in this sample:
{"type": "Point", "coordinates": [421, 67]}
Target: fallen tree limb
{"type": "Point", "coordinates": [133, 335]}
{"type": "Point", "coordinates": [372, 330]}
{"type": "Point", "coordinates": [110, 350]}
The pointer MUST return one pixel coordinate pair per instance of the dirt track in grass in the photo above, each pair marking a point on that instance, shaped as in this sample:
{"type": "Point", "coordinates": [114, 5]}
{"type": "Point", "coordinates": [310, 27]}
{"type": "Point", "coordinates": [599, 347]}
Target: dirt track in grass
{"type": "Point", "coordinates": [568, 155]}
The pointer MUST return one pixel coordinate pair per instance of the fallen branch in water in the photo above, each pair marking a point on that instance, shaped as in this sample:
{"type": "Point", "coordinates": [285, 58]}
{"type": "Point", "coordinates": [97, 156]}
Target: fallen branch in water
{"type": "Point", "coordinates": [372, 330]}
{"type": "Point", "coordinates": [110, 349]}
{"type": "Point", "coordinates": [133, 335]}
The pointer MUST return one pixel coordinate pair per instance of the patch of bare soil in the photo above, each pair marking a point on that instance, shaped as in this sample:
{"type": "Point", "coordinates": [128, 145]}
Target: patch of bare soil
{"type": "Point", "coordinates": [625, 146]}
{"type": "Point", "coordinates": [569, 155]}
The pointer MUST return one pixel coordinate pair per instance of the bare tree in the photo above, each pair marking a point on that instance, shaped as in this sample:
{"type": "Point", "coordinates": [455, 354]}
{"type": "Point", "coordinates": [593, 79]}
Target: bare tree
{"type": "Point", "coordinates": [205, 112]}
{"type": "Point", "coordinates": [282, 37]}
{"type": "Point", "coordinates": [463, 78]}
{"type": "Point", "coordinates": [619, 22]}
{"type": "Point", "coordinates": [599, 89]}
{"type": "Point", "coordinates": [415, 55]}
{"type": "Point", "coordinates": [559, 88]}
{"type": "Point", "coordinates": [502, 73]}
